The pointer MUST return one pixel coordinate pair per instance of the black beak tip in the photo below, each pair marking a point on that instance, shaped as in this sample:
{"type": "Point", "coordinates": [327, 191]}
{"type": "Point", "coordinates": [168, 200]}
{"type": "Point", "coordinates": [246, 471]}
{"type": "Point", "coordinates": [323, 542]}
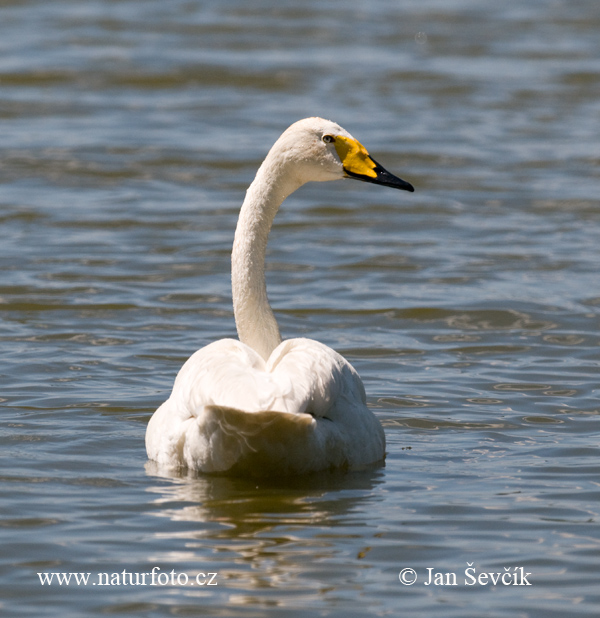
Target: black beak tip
{"type": "Point", "coordinates": [389, 180]}
{"type": "Point", "coordinates": [407, 187]}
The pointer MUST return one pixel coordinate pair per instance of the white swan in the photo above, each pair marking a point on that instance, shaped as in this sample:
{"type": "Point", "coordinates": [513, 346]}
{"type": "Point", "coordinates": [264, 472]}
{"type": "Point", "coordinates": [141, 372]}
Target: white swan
{"type": "Point", "coordinates": [261, 405]}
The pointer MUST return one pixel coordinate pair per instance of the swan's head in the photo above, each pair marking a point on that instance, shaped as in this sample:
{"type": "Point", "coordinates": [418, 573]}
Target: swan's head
{"type": "Point", "coordinates": [315, 149]}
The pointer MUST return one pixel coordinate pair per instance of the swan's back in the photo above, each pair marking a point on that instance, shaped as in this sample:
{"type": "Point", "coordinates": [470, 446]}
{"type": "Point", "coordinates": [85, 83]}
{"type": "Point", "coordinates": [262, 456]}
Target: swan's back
{"type": "Point", "coordinates": [302, 411]}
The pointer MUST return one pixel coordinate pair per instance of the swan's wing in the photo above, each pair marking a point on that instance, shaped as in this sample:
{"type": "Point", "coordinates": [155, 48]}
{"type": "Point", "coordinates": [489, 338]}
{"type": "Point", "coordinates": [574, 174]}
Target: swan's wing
{"type": "Point", "coordinates": [320, 378]}
{"type": "Point", "coordinates": [334, 395]}
{"type": "Point", "coordinates": [231, 374]}
{"type": "Point", "coordinates": [226, 373]}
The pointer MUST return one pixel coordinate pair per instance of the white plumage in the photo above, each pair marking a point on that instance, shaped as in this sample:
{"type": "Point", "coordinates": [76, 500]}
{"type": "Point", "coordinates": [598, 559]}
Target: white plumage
{"type": "Point", "coordinates": [261, 406]}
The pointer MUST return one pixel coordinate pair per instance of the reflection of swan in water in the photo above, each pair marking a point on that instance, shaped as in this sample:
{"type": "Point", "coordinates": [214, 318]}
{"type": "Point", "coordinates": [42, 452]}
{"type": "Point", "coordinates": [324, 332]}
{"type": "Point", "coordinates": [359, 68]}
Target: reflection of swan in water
{"type": "Point", "coordinates": [260, 405]}
{"type": "Point", "coordinates": [243, 507]}
{"type": "Point", "coordinates": [265, 537]}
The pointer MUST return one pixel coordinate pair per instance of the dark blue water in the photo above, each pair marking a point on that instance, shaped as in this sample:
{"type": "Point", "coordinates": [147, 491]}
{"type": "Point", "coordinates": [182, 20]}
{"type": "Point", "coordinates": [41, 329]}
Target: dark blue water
{"type": "Point", "coordinates": [471, 308]}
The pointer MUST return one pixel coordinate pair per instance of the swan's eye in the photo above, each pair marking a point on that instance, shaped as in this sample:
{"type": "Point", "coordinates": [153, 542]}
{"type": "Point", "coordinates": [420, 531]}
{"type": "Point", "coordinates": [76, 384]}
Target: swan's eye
{"type": "Point", "coordinates": [328, 139]}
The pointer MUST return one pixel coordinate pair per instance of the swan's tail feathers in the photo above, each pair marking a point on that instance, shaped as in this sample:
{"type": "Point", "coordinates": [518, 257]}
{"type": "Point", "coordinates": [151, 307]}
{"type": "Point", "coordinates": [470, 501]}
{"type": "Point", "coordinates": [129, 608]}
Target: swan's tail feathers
{"type": "Point", "coordinates": [244, 443]}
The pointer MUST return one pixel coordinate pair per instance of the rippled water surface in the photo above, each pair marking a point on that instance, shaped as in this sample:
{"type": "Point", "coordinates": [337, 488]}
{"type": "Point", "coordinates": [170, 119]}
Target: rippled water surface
{"type": "Point", "coordinates": [471, 308]}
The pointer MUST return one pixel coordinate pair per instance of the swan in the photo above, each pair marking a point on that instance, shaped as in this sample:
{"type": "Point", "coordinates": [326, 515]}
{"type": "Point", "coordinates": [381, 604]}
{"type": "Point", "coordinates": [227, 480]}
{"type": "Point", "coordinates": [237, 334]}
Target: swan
{"type": "Point", "coordinates": [260, 405]}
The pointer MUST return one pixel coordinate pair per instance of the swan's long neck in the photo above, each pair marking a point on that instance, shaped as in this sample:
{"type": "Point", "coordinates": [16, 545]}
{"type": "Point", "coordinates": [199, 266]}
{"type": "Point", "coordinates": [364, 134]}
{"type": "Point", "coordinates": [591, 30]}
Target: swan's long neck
{"type": "Point", "coordinates": [254, 319]}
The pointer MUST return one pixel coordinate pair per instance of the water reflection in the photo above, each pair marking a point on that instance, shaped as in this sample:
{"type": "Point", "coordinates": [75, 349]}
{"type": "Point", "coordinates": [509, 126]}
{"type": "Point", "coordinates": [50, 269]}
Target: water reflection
{"type": "Point", "coordinates": [251, 506]}
{"type": "Point", "coordinates": [272, 540]}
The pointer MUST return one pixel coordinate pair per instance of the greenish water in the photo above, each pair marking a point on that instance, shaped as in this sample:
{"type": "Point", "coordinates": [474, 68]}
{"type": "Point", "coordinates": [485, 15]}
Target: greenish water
{"type": "Point", "coordinates": [471, 308]}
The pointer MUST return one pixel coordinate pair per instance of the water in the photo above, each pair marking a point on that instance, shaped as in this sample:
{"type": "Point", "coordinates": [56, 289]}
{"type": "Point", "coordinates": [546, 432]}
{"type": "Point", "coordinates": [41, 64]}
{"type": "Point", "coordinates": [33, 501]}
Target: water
{"type": "Point", "coordinates": [471, 308]}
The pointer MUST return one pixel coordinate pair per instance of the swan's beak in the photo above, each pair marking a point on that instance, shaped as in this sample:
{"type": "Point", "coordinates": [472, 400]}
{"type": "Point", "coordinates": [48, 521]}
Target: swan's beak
{"type": "Point", "coordinates": [359, 164]}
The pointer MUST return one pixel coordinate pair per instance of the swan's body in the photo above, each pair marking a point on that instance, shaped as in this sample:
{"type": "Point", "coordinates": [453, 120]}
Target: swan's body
{"type": "Point", "coordinates": [259, 405]}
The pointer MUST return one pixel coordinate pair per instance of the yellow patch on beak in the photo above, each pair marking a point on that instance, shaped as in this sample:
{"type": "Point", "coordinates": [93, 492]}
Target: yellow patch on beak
{"type": "Point", "coordinates": [354, 157]}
